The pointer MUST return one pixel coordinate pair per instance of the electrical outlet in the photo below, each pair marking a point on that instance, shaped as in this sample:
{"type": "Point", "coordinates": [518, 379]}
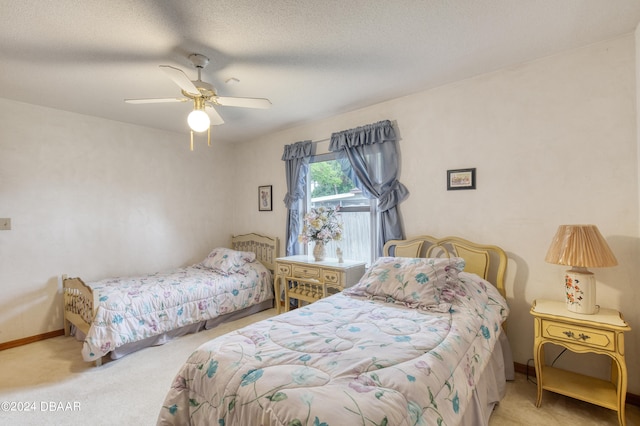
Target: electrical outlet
{"type": "Point", "coordinates": [5, 224]}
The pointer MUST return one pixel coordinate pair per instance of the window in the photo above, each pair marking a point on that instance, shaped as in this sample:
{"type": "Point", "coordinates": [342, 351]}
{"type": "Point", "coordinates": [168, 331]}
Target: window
{"type": "Point", "coordinates": [328, 186]}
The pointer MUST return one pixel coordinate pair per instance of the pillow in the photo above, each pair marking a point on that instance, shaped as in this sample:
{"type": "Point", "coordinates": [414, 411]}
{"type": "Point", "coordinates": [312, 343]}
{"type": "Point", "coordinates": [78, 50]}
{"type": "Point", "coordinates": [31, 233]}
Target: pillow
{"type": "Point", "coordinates": [226, 260]}
{"type": "Point", "coordinates": [414, 282]}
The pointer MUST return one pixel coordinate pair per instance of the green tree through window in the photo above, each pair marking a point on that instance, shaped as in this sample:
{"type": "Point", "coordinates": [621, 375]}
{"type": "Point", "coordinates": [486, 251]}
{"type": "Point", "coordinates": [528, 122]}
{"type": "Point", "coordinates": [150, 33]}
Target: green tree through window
{"type": "Point", "coordinates": [328, 179]}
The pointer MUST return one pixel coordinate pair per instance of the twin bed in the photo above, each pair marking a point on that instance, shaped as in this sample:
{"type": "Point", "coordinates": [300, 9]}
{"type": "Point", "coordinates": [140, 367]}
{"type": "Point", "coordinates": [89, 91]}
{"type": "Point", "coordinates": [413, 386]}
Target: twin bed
{"type": "Point", "coordinates": [121, 315]}
{"type": "Point", "coordinates": [418, 340]}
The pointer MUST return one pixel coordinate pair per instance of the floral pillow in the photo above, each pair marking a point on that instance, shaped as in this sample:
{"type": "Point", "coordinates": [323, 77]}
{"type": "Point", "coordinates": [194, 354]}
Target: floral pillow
{"type": "Point", "coordinates": [226, 261]}
{"type": "Point", "coordinates": [414, 282]}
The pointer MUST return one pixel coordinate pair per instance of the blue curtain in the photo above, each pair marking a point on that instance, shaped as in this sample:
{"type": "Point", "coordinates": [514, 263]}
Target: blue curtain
{"type": "Point", "coordinates": [296, 157]}
{"type": "Point", "coordinates": [372, 153]}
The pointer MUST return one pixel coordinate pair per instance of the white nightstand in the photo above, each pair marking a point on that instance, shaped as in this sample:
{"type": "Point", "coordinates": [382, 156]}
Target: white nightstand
{"type": "Point", "coordinates": [601, 333]}
{"type": "Point", "coordinates": [303, 278]}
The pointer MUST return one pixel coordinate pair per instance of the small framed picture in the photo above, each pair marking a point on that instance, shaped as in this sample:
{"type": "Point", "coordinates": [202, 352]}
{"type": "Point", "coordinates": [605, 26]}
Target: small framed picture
{"type": "Point", "coordinates": [265, 198]}
{"type": "Point", "coordinates": [461, 179]}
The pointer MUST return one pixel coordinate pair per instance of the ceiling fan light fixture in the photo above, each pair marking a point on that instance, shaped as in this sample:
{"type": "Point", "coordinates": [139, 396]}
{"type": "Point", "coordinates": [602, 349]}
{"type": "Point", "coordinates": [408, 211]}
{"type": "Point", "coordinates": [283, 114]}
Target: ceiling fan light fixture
{"type": "Point", "coordinates": [198, 120]}
{"type": "Point", "coordinates": [203, 95]}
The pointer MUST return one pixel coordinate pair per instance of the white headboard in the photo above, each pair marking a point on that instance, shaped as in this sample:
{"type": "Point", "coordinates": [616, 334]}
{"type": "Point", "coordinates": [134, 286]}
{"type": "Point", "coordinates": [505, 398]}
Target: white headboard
{"type": "Point", "coordinates": [267, 249]}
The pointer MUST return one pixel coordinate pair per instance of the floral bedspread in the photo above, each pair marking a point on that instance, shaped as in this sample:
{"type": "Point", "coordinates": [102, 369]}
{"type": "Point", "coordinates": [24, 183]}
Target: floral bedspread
{"type": "Point", "coordinates": [344, 360]}
{"type": "Point", "coordinates": [134, 308]}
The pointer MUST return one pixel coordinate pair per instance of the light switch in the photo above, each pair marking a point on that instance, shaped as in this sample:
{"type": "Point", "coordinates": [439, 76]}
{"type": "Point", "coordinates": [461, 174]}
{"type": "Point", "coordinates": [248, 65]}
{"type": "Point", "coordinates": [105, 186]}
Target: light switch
{"type": "Point", "coordinates": [5, 224]}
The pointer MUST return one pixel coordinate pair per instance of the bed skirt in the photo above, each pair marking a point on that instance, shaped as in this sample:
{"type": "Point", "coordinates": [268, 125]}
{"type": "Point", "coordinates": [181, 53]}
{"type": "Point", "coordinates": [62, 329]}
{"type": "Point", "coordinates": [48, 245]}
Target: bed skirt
{"type": "Point", "coordinates": [161, 339]}
{"type": "Point", "coordinates": [491, 387]}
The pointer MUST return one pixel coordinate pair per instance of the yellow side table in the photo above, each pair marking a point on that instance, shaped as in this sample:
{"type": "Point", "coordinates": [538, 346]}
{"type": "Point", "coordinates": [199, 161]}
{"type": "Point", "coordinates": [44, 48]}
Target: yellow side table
{"type": "Point", "coordinates": [601, 333]}
{"type": "Point", "coordinates": [302, 278]}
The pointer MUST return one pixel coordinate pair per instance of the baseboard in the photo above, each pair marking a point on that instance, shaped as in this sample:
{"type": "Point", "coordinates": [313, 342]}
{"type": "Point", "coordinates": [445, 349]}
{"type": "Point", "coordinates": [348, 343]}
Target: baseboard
{"type": "Point", "coordinates": [633, 399]}
{"type": "Point", "coordinates": [31, 339]}
{"type": "Point", "coordinates": [531, 371]}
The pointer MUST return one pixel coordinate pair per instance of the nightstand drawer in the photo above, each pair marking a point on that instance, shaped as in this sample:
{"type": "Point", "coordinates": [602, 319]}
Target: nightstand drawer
{"type": "Point", "coordinates": [306, 272]}
{"type": "Point", "coordinates": [584, 335]}
{"type": "Point", "coordinates": [330, 276]}
{"type": "Point", "coordinates": [305, 280]}
{"type": "Point", "coordinates": [284, 269]}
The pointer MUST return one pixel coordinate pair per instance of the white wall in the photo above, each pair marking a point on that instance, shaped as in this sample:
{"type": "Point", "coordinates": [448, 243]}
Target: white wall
{"type": "Point", "coordinates": [94, 198]}
{"type": "Point", "coordinates": [554, 142]}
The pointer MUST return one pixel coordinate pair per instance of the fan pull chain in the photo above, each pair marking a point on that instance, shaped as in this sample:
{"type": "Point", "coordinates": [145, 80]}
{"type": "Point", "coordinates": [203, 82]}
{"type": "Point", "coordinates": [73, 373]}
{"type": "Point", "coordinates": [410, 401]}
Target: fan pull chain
{"type": "Point", "coordinates": [208, 138]}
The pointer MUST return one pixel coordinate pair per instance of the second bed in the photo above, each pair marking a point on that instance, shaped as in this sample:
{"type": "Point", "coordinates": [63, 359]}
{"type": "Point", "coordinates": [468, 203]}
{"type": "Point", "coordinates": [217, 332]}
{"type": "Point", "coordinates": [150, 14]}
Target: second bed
{"type": "Point", "coordinates": [117, 316]}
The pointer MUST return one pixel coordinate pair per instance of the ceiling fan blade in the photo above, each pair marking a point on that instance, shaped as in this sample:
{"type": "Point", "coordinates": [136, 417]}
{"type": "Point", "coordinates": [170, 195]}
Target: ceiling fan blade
{"type": "Point", "coordinates": [213, 115]}
{"type": "Point", "coordinates": [243, 102]}
{"type": "Point", "coordinates": [180, 78]}
{"type": "Point", "coordinates": [155, 100]}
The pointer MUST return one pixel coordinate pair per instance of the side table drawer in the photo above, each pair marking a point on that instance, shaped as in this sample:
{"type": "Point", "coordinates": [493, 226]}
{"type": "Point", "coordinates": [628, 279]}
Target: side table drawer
{"type": "Point", "coordinates": [306, 272]}
{"type": "Point", "coordinates": [330, 276]}
{"type": "Point", "coordinates": [602, 339]}
{"type": "Point", "coordinates": [283, 269]}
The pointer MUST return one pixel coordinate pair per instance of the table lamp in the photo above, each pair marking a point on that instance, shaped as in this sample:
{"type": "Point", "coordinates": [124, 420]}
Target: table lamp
{"type": "Point", "coordinates": [580, 246]}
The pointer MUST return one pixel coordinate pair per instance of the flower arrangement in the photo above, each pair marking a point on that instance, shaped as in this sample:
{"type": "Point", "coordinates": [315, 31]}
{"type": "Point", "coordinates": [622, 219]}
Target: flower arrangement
{"type": "Point", "coordinates": [321, 224]}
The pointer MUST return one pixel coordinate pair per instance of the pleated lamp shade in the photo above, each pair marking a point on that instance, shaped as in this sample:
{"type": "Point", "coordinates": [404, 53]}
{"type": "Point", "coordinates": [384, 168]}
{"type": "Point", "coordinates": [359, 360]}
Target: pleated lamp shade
{"type": "Point", "coordinates": [581, 247]}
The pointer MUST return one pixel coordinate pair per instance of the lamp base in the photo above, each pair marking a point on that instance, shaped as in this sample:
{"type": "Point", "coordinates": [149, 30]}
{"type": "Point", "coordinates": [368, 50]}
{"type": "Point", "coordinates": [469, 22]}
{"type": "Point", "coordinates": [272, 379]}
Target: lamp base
{"type": "Point", "coordinates": [580, 290]}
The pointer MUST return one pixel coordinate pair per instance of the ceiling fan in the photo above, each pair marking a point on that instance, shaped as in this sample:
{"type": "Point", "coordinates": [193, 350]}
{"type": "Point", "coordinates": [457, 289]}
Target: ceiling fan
{"type": "Point", "coordinates": [204, 97]}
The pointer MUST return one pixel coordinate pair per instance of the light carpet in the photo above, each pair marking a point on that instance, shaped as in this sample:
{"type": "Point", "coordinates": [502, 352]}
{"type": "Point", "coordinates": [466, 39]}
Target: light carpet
{"type": "Point", "coordinates": [48, 383]}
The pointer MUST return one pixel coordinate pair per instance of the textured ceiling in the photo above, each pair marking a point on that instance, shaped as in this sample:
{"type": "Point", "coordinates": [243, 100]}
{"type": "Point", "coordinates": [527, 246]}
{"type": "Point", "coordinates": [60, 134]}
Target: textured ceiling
{"type": "Point", "coordinates": [312, 59]}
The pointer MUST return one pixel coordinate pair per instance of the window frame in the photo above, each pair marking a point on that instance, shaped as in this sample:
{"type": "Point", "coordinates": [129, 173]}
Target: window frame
{"type": "Point", "coordinates": [374, 216]}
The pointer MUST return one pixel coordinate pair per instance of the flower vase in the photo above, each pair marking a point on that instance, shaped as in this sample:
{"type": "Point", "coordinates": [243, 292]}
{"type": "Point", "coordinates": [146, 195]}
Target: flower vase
{"type": "Point", "coordinates": [319, 251]}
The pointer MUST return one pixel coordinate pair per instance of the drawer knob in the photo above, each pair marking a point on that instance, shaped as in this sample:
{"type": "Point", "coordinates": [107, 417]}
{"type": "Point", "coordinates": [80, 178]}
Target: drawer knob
{"type": "Point", "coordinates": [580, 336]}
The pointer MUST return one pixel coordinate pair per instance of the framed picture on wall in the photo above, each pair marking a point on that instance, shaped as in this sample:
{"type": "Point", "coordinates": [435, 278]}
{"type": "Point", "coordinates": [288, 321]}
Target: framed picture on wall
{"type": "Point", "coordinates": [461, 179]}
{"type": "Point", "coordinates": [265, 198]}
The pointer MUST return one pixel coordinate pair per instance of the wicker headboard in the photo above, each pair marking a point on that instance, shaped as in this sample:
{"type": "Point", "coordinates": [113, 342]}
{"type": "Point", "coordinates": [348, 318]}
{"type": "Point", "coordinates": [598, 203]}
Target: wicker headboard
{"type": "Point", "coordinates": [267, 249]}
{"type": "Point", "coordinates": [487, 261]}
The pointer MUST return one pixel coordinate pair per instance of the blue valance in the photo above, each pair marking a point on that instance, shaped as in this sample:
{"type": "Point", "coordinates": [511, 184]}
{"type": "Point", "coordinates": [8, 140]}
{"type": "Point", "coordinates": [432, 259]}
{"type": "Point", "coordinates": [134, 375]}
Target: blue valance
{"type": "Point", "coordinates": [379, 132]}
{"type": "Point", "coordinates": [297, 150]}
